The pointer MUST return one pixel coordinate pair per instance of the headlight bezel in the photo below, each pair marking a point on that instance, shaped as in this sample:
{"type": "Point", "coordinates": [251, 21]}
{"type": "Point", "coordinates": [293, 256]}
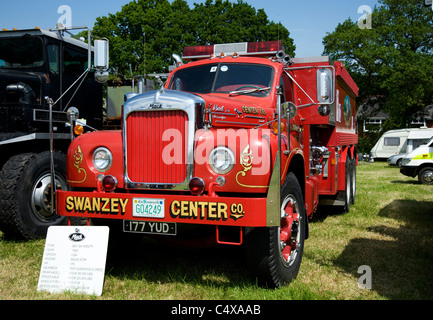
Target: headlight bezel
{"type": "Point", "coordinates": [107, 159]}
{"type": "Point", "coordinates": [222, 160]}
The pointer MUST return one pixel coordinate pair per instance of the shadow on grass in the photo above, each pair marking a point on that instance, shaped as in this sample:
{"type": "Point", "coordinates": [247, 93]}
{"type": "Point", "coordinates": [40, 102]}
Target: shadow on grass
{"type": "Point", "coordinates": [408, 182]}
{"type": "Point", "coordinates": [154, 261]}
{"type": "Point", "coordinates": [325, 211]}
{"type": "Point", "coordinates": [401, 264]}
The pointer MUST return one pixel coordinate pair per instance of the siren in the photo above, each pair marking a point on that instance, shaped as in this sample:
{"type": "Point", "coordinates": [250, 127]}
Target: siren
{"type": "Point", "coordinates": [284, 58]}
{"type": "Point", "coordinates": [280, 54]}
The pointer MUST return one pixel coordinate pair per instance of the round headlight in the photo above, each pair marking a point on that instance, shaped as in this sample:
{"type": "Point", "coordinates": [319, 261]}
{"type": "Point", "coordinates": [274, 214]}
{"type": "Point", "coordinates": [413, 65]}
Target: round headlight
{"type": "Point", "coordinates": [221, 160]}
{"type": "Point", "coordinates": [102, 159]}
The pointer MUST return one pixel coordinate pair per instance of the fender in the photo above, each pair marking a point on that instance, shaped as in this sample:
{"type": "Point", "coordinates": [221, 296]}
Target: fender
{"type": "Point", "coordinates": [342, 168]}
{"type": "Point", "coordinates": [252, 154]}
{"type": "Point", "coordinates": [353, 152]}
{"type": "Point", "coordinates": [80, 170]}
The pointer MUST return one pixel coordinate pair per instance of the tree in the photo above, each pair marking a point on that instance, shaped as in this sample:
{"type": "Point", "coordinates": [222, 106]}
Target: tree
{"type": "Point", "coordinates": [223, 22]}
{"type": "Point", "coordinates": [392, 60]}
{"type": "Point", "coordinates": [145, 33]}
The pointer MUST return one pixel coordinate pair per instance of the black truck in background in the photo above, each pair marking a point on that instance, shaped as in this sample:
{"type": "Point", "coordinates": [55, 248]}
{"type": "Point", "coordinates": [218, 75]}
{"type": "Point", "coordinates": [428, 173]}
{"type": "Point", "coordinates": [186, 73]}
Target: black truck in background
{"type": "Point", "coordinates": [34, 65]}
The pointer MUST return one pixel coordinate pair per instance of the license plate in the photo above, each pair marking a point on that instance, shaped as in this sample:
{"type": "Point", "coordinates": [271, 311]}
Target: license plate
{"type": "Point", "coordinates": [150, 227]}
{"type": "Point", "coordinates": [148, 208]}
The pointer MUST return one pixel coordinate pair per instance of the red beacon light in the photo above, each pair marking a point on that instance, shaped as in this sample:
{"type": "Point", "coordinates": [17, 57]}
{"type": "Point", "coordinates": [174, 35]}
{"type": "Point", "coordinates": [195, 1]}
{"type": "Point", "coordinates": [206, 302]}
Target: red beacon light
{"type": "Point", "coordinates": [264, 48]}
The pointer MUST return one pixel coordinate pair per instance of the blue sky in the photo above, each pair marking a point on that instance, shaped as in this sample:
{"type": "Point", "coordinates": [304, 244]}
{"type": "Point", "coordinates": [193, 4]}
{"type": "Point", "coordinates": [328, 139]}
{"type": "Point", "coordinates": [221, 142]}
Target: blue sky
{"type": "Point", "coordinates": [307, 20]}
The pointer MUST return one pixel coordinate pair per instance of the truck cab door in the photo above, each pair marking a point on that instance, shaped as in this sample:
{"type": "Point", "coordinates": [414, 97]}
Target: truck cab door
{"type": "Point", "coordinates": [54, 67]}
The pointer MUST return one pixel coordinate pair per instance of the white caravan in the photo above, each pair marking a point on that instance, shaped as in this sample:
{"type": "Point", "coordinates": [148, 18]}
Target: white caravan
{"type": "Point", "coordinates": [400, 141]}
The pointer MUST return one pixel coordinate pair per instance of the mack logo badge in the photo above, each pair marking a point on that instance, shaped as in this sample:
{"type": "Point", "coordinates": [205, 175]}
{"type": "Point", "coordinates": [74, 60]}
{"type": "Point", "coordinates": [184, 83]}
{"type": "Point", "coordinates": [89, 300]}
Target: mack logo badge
{"type": "Point", "coordinates": [77, 236]}
{"type": "Point", "coordinates": [194, 210]}
{"type": "Point", "coordinates": [113, 206]}
{"type": "Point", "coordinates": [155, 106]}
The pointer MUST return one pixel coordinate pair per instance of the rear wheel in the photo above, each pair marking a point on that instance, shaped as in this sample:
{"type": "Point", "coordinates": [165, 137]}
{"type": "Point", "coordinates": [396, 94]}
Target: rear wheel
{"type": "Point", "coordinates": [274, 254]}
{"type": "Point", "coordinates": [347, 193]}
{"type": "Point", "coordinates": [353, 181]}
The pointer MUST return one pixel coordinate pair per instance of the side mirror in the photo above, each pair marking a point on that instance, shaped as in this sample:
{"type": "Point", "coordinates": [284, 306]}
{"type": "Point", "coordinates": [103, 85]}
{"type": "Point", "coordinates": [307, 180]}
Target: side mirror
{"type": "Point", "coordinates": [288, 110]}
{"type": "Point", "coordinates": [325, 86]}
{"type": "Point", "coordinates": [101, 54]}
{"type": "Point", "coordinates": [101, 76]}
{"type": "Point", "coordinates": [72, 114]}
{"type": "Point", "coordinates": [101, 60]}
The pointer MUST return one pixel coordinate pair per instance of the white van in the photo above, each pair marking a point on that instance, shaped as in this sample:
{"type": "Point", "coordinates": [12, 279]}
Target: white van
{"type": "Point", "coordinates": [400, 141]}
{"type": "Point", "coordinates": [419, 162]}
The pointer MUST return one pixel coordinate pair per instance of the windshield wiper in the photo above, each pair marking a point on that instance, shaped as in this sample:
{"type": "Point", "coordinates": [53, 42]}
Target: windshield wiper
{"type": "Point", "coordinates": [249, 91]}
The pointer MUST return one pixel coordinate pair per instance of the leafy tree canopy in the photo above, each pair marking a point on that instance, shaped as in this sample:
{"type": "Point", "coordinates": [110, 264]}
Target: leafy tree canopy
{"type": "Point", "coordinates": [392, 60]}
{"type": "Point", "coordinates": [145, 33]}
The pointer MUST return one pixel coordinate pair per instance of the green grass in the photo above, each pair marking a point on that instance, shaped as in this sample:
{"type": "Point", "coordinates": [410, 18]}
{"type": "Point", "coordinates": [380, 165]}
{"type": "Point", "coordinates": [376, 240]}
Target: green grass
{"type": "Point", "coordinates": [390, 229]}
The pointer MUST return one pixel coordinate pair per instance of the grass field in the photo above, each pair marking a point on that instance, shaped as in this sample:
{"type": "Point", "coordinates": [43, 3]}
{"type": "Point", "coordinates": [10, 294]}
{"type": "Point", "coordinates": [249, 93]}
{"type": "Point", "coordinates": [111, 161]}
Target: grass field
{"type": "Point", "coordinates": [389, 229]}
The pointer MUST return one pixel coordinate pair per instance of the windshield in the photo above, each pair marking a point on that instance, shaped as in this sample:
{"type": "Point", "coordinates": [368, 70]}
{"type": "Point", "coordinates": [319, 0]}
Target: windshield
{"type": "Point", "coordinates": [254, 79]}
{"type": "Point", "coordinates": [21, 52]}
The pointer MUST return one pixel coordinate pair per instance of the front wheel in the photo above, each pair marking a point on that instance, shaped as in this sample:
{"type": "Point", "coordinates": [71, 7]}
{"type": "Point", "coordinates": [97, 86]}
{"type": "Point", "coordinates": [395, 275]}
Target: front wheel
{"type": "Point", "coordinates": [274, 254]}
{"type": "Point", "coordinates": [425, 175]}
{"type": "Point", "coordinates": [25, 189]}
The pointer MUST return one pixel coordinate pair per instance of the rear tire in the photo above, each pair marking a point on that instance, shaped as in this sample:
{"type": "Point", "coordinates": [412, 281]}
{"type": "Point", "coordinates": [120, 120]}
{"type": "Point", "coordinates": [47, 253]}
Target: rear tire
{"type": "Point", "coordinates": [353, 181]}
{"type": "Point", "coordinates": [274, 254]}
{"type": "Point", "coordinates": [347, 193]}
{"type": "Point", "coordinates": [25, 196]}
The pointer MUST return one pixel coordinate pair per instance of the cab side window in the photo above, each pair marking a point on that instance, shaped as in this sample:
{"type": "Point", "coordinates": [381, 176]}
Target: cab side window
{"type": "Point", "coordinates": [53, 58]}
{"type": "Point", "coordinates": [286, 85]}
{"type": "Point", "coordinates": [74, 62]}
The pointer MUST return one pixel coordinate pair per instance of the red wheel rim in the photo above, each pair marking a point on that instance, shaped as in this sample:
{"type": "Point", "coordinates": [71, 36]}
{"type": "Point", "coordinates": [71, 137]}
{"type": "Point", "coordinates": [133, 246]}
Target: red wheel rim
{"type": "Point", "coordinates": [289, 231]}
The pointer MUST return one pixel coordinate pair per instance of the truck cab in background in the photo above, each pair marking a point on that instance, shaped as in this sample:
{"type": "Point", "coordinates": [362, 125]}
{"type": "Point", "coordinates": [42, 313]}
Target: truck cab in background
{"type": "Point", "coordinates": [36, 64]}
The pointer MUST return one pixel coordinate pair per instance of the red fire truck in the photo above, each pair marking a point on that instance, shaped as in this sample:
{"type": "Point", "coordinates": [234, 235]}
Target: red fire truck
{"type": "Point", "coordinates": [242, 141]}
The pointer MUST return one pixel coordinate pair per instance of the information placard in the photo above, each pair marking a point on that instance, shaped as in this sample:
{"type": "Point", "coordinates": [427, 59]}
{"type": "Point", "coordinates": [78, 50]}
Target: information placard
{"type": "Point", "coordinates": [74, 259]}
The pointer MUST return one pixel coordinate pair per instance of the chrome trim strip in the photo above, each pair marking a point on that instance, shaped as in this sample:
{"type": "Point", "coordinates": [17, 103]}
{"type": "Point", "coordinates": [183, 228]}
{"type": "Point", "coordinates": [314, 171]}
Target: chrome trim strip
{"type": "Point", "coordinates": [237, 123]}
{"type": "Point", "coordinates": [273, 199]}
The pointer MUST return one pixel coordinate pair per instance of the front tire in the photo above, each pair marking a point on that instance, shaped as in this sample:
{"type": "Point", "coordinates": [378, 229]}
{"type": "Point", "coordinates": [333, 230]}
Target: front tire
{"type": "Point", "coordinates": [399, 163]}
{"type": "Point", "coordinates": [274, 254]}
{"type": "Point", "coordinates": [25, 188]}
{"type": "Point", "coordinates": [425, 175]}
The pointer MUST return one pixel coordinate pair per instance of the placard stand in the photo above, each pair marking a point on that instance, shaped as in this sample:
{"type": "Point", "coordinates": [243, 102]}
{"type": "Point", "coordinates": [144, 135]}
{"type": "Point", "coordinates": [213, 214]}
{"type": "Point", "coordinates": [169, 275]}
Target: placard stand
{"type": "Point", "coordinates": [74, 259]}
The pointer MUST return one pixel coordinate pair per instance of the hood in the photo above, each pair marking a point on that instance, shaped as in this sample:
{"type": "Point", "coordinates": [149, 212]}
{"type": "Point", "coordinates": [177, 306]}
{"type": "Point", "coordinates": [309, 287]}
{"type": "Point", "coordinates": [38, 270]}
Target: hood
{"type": "Point", "coordinates": [421, 149]}
{"type": "Point", "coordinates": [237, 111]}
